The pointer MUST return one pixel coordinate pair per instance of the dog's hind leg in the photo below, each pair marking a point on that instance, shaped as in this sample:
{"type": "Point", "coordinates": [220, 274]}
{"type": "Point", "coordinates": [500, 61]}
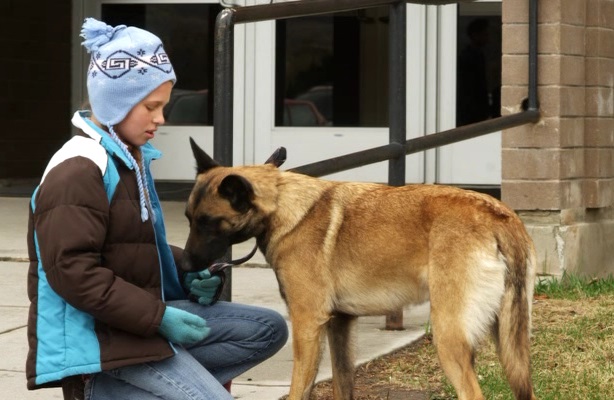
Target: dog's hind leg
{"type": "Point", "coordinates": [460, 312]}
{"type": "Point", "coordinates": [456, 356]}
{"type": "Point", "coordinates": [342, 355]}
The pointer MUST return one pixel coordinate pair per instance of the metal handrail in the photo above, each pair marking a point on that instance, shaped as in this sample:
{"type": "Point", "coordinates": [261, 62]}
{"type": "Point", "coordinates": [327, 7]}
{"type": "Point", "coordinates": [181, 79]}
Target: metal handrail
{"type": "Point", "coordinates": [392, 150]}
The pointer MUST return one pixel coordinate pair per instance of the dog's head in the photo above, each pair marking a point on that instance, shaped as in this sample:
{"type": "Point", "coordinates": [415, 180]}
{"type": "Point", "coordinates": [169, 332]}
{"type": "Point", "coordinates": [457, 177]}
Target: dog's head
{"type": "Point", "coordinates": [221, 210]}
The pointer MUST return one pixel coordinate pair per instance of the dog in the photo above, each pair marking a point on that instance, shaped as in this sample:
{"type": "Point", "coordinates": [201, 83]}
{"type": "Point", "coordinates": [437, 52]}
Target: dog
{"type": "Point", "coordinates": [345, 249]}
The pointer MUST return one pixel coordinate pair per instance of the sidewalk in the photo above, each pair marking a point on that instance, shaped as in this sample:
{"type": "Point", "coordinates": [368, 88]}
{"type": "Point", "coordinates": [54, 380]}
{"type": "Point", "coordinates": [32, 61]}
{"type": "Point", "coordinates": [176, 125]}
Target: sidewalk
{"type": "Point", "coordinates": [251, 284]}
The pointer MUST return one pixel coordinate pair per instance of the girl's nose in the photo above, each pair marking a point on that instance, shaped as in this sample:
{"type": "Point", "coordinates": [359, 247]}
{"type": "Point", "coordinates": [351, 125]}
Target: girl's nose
{"type": "Point", "coordinates": [159, 118]}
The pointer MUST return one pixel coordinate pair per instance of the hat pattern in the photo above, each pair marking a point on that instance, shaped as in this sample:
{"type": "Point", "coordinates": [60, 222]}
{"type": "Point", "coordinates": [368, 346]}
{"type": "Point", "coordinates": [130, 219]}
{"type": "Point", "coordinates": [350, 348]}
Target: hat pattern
{"type": "Point", "coordinates": [121, 62]}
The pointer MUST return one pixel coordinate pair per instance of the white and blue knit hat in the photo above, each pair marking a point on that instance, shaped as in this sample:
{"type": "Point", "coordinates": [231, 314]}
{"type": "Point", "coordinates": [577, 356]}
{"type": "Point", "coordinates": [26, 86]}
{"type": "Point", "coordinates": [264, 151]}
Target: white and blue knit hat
{"type": "Point", "coordinates": [126, 65]}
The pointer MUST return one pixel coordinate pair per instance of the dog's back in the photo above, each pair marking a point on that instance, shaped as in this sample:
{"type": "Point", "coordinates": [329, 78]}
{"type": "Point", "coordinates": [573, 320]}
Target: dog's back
{"type": "Point", "coordinates": [379, 248]}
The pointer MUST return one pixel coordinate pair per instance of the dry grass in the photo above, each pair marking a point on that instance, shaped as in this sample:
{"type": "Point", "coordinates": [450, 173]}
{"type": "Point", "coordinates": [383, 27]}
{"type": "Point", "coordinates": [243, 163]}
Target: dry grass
{"type": "Point", "coordinates": [572, 355]}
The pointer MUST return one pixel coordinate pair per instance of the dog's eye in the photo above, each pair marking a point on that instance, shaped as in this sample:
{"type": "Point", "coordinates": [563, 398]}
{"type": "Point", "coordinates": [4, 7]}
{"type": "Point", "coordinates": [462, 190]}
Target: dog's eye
{"type": "Point", "coordinates": [209, 225]}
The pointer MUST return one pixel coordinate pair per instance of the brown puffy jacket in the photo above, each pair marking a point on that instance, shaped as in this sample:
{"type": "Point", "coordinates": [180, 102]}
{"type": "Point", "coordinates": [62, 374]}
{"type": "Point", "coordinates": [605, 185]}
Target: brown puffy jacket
{"type": "Point", "coordinates": [95, 276]}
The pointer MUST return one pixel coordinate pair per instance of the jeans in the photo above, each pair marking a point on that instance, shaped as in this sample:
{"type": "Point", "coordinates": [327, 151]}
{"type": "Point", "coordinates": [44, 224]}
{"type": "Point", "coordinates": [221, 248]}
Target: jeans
{"type": "Point", "coordinates": [241, 337]}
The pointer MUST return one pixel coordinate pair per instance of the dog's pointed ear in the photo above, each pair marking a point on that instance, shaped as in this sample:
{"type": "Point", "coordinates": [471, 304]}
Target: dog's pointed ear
{"type": "Point", "coordinates": [203, 161]}
{"type": "Point", "coordinates": [278, 157]}
{"type": "Point", "coordinates": [238, 191]}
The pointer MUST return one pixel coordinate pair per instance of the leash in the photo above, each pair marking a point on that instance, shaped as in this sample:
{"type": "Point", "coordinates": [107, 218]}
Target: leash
{"type": "Point", "coordinates": [218, 269]}
{"type": "Point", "coordinates": [221, 266]}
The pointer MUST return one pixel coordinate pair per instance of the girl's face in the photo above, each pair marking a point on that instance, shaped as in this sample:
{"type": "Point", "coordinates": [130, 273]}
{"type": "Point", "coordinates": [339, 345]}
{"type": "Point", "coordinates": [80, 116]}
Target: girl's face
{"type": "Point", "coordinates": [142, 121]}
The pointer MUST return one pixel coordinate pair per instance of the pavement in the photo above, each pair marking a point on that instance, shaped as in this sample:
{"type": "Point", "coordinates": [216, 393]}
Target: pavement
{"type": "Point", "coordinates": [254, 284]}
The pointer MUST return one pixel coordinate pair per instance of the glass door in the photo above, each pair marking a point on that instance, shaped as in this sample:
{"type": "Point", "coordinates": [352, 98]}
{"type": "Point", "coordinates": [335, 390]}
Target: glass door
{"type": "Point", "coordinates": [322, 89]}
{"type": "Point", "coordinates": [322, 86]}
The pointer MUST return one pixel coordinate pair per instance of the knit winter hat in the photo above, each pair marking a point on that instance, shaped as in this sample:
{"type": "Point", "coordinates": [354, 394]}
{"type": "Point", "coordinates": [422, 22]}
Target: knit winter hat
{"type": "Point", "coordinates": [127, 64]}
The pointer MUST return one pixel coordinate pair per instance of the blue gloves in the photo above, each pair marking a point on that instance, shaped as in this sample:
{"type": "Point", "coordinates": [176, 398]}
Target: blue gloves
{"type": "Point", "coordinates": [182, 327]}
{"type": "Point", "coordinates": [202, 287]}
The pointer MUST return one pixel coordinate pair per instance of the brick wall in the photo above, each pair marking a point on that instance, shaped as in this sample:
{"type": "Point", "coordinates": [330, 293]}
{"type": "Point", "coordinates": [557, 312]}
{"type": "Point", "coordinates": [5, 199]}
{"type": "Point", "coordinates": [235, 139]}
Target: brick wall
{"type": "Point", "coordinates": [565, 162]}
{"type": "Point", "coordinates": [35, 37]}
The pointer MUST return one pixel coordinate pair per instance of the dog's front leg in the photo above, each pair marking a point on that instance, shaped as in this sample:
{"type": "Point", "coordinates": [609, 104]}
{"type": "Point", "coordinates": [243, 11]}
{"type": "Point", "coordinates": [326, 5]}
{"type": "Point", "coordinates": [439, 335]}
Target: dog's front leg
{"type": "Point", "coordinates": [341, 354]}
{"type": "Point", "coordinates": [307, 343]}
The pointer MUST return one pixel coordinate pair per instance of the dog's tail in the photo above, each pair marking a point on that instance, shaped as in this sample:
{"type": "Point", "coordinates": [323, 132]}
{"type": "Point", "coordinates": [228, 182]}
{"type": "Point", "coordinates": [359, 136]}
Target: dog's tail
{"type": "Point", "coordinates": [512, 330]}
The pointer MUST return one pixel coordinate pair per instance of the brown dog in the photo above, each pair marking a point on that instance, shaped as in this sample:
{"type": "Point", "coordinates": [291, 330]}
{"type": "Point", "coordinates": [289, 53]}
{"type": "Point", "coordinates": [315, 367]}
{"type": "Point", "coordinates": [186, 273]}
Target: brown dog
{"type": "Point", "coordinates": [341, 250]}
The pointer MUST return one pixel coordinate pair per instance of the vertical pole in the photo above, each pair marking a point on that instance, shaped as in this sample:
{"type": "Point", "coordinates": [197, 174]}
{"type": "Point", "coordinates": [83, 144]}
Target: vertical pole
{"type": "Point", "coordinates": [533, 102]}
{"type": "Point", "coordinates": [223, 83]}
{"type": "Point", "coordinates": [397, 84]}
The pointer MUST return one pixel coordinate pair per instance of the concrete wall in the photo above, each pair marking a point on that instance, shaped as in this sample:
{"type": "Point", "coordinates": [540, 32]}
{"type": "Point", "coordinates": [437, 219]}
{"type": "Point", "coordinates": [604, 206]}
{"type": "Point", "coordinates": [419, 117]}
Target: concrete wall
{"type": "Point", "coordinates": [559, 173]}
{"type": "Point", "coordinates": [35, 37]}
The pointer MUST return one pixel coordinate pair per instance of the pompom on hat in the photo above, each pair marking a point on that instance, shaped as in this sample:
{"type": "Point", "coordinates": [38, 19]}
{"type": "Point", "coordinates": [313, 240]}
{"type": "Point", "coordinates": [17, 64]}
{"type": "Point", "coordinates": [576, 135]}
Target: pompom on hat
{"type": "Point", "coordinates": [127, 64]}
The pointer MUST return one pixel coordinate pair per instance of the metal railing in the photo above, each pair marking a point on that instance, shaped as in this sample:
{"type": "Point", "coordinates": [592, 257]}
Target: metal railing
{"type": "Point", "coordinates": [398, 147]}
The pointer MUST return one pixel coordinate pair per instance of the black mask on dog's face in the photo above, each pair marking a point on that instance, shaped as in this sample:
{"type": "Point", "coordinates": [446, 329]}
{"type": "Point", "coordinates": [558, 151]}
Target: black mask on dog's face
{"type": "Point", "coordinates": [216, 217]}
{"type": "Point", "coordinates": [205, 244]}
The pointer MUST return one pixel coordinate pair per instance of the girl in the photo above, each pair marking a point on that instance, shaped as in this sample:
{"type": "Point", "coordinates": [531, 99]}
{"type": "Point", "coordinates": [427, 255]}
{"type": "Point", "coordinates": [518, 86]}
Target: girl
{"type": "Point", "coordinates": [109, 315]}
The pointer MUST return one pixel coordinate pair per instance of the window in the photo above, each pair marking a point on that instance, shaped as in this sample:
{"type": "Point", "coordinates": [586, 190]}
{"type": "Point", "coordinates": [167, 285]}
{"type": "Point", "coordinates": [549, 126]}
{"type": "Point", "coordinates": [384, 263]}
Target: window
{"type": "Point", "coordinates": [478, 94]}
{"type": "Point", "coordinates": [332, 70]}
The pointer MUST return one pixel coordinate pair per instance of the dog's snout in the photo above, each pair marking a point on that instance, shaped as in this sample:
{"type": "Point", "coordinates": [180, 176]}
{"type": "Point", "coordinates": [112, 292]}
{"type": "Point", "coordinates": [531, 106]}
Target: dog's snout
{"type": "Point", "coordinates": [187, 262]}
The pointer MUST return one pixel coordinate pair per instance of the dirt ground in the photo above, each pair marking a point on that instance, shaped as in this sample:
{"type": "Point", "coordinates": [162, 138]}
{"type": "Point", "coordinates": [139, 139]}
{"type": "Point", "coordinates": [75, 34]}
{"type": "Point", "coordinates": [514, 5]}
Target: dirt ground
{"type": "Point", "coordinates": [372, 381]}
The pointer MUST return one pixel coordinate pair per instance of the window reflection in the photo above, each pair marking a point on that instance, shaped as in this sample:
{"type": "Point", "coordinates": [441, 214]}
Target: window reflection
{"type": "Point", "coordinates": [187, 31]}
{"type": "Point", "coordinates": [478, 94]}
{"type": "Point", "coordinates": [332, 70]}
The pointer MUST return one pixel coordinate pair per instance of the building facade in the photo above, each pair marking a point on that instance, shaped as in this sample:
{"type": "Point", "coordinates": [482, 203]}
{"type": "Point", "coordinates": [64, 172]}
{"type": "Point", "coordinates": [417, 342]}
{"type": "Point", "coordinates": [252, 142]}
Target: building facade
{"type": "Point", "coordinates": [318, 86]}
